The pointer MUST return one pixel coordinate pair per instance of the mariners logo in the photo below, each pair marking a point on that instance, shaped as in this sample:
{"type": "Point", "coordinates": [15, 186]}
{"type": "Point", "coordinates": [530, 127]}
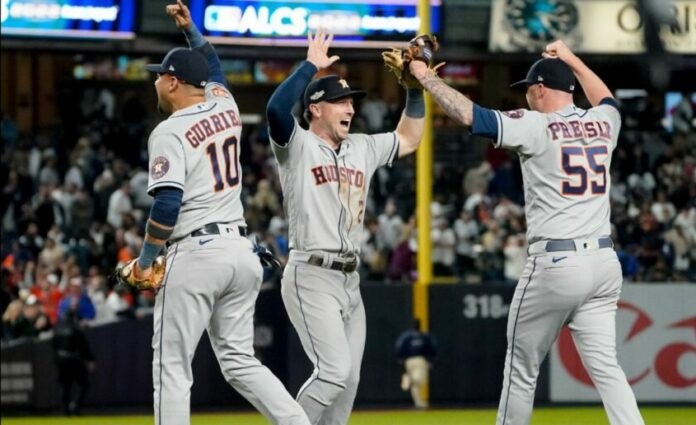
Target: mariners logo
{"type": "Point", "coordinates": [159, 167]}
{"type": "Point", "coordinates": [534, 23]}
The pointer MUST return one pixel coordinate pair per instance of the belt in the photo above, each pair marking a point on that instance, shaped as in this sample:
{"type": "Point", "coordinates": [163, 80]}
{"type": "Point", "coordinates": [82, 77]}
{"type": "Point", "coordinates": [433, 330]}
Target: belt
{"type": "Point", "coordinates": [214, 229]}
{"type": "Point", "coordinates": [210, 229]}
{"type": "Point", "coordinates": [556, 245]}
{"type": "Point", "coordinates": [347, 266]}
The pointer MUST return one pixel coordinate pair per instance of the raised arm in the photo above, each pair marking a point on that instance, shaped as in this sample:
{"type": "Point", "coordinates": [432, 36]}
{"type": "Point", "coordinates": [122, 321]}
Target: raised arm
{"type": "Point", "coordinates": [278, 110]}
{"type": "Point", "coordinates": [592, 85]}
{"type": "Point", "coordinates": [410, 126]}
{"type": "Point", "coordinates": [182, 17]}
{"type": "Point", "coordinates": [456, 105]}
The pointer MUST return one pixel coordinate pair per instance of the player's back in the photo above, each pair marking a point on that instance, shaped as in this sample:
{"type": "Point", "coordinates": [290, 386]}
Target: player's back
{"type": "Point", "coordinates": [197, 149]}
{"type": "Point", "coordinates": [565, 158]}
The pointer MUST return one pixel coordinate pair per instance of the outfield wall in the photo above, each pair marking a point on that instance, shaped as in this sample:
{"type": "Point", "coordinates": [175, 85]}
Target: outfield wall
{"type": "Point", "coordinates": [656, 334]}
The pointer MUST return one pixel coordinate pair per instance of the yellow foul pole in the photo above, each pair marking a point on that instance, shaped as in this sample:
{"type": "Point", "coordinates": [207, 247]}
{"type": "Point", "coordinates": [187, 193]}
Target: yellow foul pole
{"type": "Point", "coordinates": [424, 172]}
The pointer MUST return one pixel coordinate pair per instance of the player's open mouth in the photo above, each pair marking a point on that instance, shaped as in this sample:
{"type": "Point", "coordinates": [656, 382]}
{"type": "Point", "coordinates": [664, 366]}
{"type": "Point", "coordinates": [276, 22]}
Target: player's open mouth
{"type": "Point", "coordinates": [345, 123]}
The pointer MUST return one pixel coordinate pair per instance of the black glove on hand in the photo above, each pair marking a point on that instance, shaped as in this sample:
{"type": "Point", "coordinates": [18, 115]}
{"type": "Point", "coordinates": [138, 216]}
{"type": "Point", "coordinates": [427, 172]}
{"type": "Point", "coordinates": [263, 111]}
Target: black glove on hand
{"type": "Point", "coordinates": [268, 260]}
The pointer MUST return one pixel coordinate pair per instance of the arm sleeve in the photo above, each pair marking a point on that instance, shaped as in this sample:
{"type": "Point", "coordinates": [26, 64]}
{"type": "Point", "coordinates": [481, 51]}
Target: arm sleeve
{"type": "Point", "coordinates": [484, 123]}
{"type": "Point", "coordinates": [197, 42]}
{"type": "Point", "coordinates": [166, 206]}
{"type": "Point", "coordinates": [280, 120]}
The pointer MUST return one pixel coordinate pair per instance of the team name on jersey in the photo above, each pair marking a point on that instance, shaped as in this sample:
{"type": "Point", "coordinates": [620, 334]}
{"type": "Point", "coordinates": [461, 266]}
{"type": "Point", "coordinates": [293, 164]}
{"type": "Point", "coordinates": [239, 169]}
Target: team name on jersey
{"type": "Point", "coordinates": [578, 129]}
{"type": "Point", "coordinates": [331, 173]}
{"type": "Point", "coordinates": [210, 125]}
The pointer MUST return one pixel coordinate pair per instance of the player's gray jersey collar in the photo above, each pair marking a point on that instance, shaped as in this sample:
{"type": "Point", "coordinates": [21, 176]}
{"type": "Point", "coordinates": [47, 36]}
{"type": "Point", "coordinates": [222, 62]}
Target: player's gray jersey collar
{"type": "Point", "coordinates": [571, 109]}
{"type": "Point", "coordinates": [345, 146]}
{"type": "Point", "coordinates": [193, 109]}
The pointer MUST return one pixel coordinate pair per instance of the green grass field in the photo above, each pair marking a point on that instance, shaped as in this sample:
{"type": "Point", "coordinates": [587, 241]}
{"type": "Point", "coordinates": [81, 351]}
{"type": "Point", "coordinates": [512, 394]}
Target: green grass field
{"type": "Point", "coordinates": [542, 416]}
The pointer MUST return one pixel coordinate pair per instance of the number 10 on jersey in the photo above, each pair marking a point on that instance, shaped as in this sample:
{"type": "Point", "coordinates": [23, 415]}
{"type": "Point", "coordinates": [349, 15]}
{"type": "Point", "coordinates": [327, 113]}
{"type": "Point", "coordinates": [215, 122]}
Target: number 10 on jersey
{"type": "Point", "coordinates": [229, 153]}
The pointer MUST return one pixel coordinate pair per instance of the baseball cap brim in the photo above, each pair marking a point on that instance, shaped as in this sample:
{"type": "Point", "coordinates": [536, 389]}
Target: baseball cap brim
{"type": "Point", "coordinates": [521, 83]}
{"type": "Point", "coordinates": [155, 67]}
{"type": "Point", "coordinates": [357, 94]}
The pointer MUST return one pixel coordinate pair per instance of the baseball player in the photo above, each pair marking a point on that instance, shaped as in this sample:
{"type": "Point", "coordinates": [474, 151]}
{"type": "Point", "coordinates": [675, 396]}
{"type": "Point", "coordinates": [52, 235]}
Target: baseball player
{"type": "Point", "coordinates": [572, 274]}
{"type": "Point", "coordinates": [325, 175]}
{"type": "Point", "coordinates": [213, 275]}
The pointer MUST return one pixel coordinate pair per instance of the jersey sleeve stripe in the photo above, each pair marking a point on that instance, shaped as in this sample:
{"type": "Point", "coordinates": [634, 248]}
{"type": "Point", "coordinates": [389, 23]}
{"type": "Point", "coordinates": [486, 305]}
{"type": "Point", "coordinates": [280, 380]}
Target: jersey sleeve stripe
{"type": "Point", "coordinates": [166, 183]}
{"type": "Point", "coordinates": [499, 139]}
{"type": "Point", "coordinates": [394, 151]}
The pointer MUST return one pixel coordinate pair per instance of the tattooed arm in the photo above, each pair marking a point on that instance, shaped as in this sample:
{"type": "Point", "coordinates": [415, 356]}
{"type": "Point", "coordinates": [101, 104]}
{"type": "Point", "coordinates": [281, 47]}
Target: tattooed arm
{"type": "Point", "coordinates": [483, 121]}
{"type": "Point", "coordinates": [456, 105]}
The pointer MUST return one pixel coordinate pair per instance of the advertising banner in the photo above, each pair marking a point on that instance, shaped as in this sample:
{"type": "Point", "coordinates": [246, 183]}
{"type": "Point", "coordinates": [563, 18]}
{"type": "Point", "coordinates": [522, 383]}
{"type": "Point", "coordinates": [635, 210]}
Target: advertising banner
{"type": "Point", "coordinates": [656, 347]}
{"type": "Point", "coordinates": [68, 18]}
{"type": "Point", "coordinates": [589, 26]}
{"type": "Point", "coordinates": [361, 23]}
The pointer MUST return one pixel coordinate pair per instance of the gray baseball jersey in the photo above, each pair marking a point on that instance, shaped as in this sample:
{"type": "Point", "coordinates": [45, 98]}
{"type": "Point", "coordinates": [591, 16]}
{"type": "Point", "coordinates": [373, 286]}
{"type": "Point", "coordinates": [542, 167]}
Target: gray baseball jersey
{"type": "Point", "coordinates": [325, 192]}
{"type": "Point", "coordinates": [324, 198]}
{"type": "Point", "coordinates": [565, 159]}
{"type": "Point", "coordinates": [572, 275]}
{"type": "Point", "coordinates": [197, 150]}
{"type": "Point", "coordinates": [212, 280]}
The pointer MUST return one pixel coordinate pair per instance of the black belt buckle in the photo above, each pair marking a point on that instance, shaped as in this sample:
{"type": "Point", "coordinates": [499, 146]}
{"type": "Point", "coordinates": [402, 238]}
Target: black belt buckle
{"type": "Point", "coordinates": [349, 265]}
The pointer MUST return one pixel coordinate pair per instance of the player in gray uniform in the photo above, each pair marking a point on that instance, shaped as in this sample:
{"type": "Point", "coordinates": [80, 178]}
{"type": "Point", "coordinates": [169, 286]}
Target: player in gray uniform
{"type": "Point", "coordinates": [213, 275]}
{"type": "Point", "coordinates": [572, 275]}
{"type": "Point", "coordinates": [325, 175]}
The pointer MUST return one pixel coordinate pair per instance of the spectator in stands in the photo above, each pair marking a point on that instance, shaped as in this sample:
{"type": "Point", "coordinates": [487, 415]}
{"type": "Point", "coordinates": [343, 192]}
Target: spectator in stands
{"type": "Point", "coordinates": [443, 250]}
{"type": "Point", "coordinates": [52, 254]}
{"type": "Point", "coordinates": [81, 215]}
{"type": "Point", "coordinates": [402, 264]}
{"type": "Point", "coordinates": [119, 204]}
{"type": "Point", "coordinates": [9, 130]}
{"type": "Point", "coordinates": [76, 301]}
{"type": "Point", "coordinates": [32, 321]}
{"type": "Point", "coordinates": [31, 240]}
{"type": "Point", "coordinates": [47, 211]}
{"type": "Point", "coordinates": [662, 209]}
{"type": "Point", "coordinates": [466, 231]}
{"type": "Point", "coordinates": [47, 293]}
{"type": "Point", "coordinates": [629, 263]}
{"type": "Point", "coordinates": [10, 318]}
{"type": "Point", "coordinates": [98, 291]}
{"type": "Point", "coordinates": [390, 226]}
{"type": "Point", "coordinates": [373, 264]}
{"type": "Point", "coordinates": [48, 175]}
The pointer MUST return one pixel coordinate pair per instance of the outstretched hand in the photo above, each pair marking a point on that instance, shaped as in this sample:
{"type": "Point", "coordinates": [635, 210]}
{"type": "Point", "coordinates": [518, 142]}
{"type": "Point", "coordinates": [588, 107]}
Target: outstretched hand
{"type": "Point", "coordinates": [317, 48]}
{"type": "Point", "coordinates": [181, 15]}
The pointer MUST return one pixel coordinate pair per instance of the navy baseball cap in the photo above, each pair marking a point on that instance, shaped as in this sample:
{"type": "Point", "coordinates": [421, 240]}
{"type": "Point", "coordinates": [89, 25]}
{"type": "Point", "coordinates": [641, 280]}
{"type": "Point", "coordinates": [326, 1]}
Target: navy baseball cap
{"type": "Point", "coordinates": [553, 73]}
{"type": "Point", "coordinates": [329, 88]}
{"type": "Point", "coordinates": [185, 64]}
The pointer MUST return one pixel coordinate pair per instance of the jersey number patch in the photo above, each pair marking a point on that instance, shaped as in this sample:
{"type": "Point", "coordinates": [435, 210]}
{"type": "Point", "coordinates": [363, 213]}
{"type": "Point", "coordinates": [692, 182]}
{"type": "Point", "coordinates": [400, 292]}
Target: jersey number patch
{"type": "Point", "coordinates": [229, 152]}
{"type": "Point", "coordinates": [580, 169]}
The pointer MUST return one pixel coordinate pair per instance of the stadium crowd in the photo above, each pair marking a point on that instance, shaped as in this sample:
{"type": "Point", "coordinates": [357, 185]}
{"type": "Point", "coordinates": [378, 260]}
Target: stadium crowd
{"type": "Point", "coordinates": [74, 201]}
